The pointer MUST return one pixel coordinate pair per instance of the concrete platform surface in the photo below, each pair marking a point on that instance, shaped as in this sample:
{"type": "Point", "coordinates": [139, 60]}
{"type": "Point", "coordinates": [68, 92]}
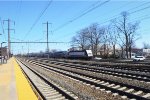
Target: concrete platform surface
{"type": "Point", "coordinates": [13, 84]}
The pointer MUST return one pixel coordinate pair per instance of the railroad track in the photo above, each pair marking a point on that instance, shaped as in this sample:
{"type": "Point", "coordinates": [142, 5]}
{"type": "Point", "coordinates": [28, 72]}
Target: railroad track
{"type": "Point", "coordinates": [115, 72]}
{"type": "Point", "coordinates": [47, 89]}
{"type": "Point", "coordinates": [108, 85]}
{"type": "Point", "coordinates": [122, 66]}
{"type": "Point", "coordinates": [84, 90]}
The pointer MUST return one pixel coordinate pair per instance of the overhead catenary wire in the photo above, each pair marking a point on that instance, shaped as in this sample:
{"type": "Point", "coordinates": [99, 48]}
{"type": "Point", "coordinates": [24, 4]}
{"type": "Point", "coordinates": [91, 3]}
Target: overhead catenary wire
{"type": "Point", "coordinates": [91, 6]}
{"type": "Point", "coordinates": [132, 12]}
{"type": "Point", "coordinates": [84, 13]}
{"type": "Point", "coordinates": [35, 42]}
{"type": "Point", "coordinates": [143, 4]}
{"type": "Point", "coordinates": [70, 21]}
{"type": "Point", "coordinates": [141, 18]}
{"type": "Point", "coordinates": [42, 38]}
{"type": "Point", "coordinates": [16, 39]}
{"type": "Point", "coordinates": [38, 18]}
{"type": "Point", "coordinates": [122, 6]}
{"type": "Point", "coordinates": [18, 12]}
{"type": "Point", "coordinates": [141, 9]}
{"type": "Point", "coordinates": [129, 9]}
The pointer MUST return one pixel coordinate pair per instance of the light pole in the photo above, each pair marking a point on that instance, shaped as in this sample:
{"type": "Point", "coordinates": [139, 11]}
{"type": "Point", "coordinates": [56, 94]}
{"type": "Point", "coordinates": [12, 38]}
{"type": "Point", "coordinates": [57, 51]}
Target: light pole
{"type": "Point", "coordinates": [2, 44]}
{"type": "Point", "coordinates": [1, 50]}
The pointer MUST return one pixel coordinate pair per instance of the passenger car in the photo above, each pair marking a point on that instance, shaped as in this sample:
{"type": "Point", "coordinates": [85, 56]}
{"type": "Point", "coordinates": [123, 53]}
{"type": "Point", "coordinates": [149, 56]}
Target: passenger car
{"type": "Point", "coordinates": [139, 58]}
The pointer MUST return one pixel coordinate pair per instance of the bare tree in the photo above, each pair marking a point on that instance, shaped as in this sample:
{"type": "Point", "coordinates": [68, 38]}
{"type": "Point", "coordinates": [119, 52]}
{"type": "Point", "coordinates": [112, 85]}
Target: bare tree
{"type": "Point", "coordinates": [127, 32]}
{"type": "Point", "coordinates": [80, 39]}
{"type": "Point", "coordinates": [94, 36]}
{"type": "Point", "coordinates": [112, 37]}
{"type": "Point", "coordinates": [105, 40]}
{"type": "Point", "coordinates": [146, 45]}
{"type": "Point", "coordinates": [74, 42]}
{"type": "Point", "coordinates": [89, 38]}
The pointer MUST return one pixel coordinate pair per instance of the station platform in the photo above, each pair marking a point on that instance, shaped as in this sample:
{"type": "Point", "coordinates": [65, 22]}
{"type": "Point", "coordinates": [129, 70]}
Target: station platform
{"type": "Point", "coordinates": [13, 84]}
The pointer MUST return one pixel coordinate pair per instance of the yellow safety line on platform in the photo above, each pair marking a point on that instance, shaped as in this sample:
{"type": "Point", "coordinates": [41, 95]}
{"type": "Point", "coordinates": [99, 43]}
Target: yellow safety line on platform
{"type": "Point", "coordinates": [24, 89]}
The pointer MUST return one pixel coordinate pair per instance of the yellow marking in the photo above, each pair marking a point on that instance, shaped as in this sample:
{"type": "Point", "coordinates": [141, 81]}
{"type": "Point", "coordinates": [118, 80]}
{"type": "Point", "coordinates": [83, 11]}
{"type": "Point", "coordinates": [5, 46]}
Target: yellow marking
{"type": "Point", "coordinates": [24, 89]}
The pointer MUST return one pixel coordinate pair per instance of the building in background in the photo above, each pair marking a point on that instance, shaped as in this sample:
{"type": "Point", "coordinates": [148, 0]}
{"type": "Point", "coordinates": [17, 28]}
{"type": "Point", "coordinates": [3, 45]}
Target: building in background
{"type": "Point", "coordinates": [146, 52]}
{"type": "Point", "coordinates": [3, 54]}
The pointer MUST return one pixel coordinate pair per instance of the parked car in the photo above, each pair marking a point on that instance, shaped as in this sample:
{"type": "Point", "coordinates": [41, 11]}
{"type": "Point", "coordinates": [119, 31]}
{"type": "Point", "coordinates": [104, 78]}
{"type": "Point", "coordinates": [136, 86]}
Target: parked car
{"type": "Point", "coordinates": [97, 58]}
{"type": "Point", "coordinates": [139, 58]}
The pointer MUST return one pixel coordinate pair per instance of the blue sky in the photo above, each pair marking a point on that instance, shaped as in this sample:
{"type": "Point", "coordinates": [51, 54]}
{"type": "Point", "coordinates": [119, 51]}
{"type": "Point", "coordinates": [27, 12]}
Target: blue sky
{"type": "Point", "coordinates": [25, 13]}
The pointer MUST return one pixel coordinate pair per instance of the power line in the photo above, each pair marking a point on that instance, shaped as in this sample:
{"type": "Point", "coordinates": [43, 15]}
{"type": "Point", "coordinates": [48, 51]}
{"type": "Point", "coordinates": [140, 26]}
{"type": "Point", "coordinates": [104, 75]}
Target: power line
{"type": "Point", "coordinates": [129, 13]}
{"type": "Point", "coordinates": [139, 10]}
{"type": "Point", "coordinates": [84, 13]}
{"type": "Point", "coordinates": [139, 6]}
{"type": "Point", "coordinates": [91, 6]}
{"type": "Point", "coordinates": [63, 25]}
{"type": "Point", "coordinates": [141, 18]}
{"type": "Point", "coordinates": [37, 42]}
{"type": "Point", "coordinates": [38, 18]}
{"type": "Point", "coordinates": [86, 9]}
{"type": "Point", "coordinates": [43, 38]}
{"type": "Point", "coordinates": [18, 12]}
{"type": "Point", "coordinates": [119, 8]}
{"type": "Point", "coordinates": [122, 6]}
{"type": "Point", "coordinates": [145, 18]}
{"type": "Point", "coordinates": [16, 39]}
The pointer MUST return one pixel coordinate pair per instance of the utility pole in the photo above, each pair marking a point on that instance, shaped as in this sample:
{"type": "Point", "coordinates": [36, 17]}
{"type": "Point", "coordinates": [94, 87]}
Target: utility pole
{"type": "Point", "coordinates": [47, 35]}
{"type": "Point", "coordinates": [9, 45]}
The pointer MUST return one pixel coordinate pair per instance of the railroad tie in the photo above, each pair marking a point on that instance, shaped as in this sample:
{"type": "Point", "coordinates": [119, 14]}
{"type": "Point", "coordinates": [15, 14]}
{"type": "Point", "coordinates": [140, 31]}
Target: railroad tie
{"type": "Point", "coordinates": [102, 89]}
{"type": "Point", "coordinates": [138, 92]}
{"type": "Point", "coordinates": [49, 90]}
{"type": "Point", "coordinates": [123, 97]}
{"type": "Point", "coordinates": [50, 94]}
{"type": "Point", "coordinates": [133, 99]}
{"type": "Point", "coordinates": [117, 86]}
{"type": "Point", "coordinates": [130, 90]}
{"type": "Point", "coordinates": [105, 83]}
{"type": "Point", "coordinates": [147, 95]}
{"type": "Point", "coordinates": [54, 97]}
{"type": "Point", "coordinates": [92, 86]}
{"type": "Point", "coordinates": [148, 82]}
{"type": "Point", "coordinates": [101, 82]}
{"type": "Point", "coordinates": [97, 88]}
{"type": "Point", "coordinates": [115, 94]}
{"type": "Point", "coordinates": [122, 88]}
{"type": "Point", "coordinates": [62, 98]}
{"type": "Point", "coordinates": [108, 92]}
{"type": "Point", "coordinates": [97, 81]}
{"type": "Point", "coordinates": [111, 85]}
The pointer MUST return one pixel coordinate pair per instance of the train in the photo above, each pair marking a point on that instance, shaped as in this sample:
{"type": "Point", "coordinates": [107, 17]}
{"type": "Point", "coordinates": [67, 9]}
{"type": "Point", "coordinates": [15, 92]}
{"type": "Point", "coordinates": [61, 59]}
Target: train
{"type": "Point", "coordinates": [76, 54]}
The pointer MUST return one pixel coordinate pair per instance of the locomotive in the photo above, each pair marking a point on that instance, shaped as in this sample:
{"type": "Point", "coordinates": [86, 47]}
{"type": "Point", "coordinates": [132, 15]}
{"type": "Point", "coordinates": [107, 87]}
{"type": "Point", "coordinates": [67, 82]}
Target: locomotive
{"type": "Point", "coordinates": [83, 54]}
